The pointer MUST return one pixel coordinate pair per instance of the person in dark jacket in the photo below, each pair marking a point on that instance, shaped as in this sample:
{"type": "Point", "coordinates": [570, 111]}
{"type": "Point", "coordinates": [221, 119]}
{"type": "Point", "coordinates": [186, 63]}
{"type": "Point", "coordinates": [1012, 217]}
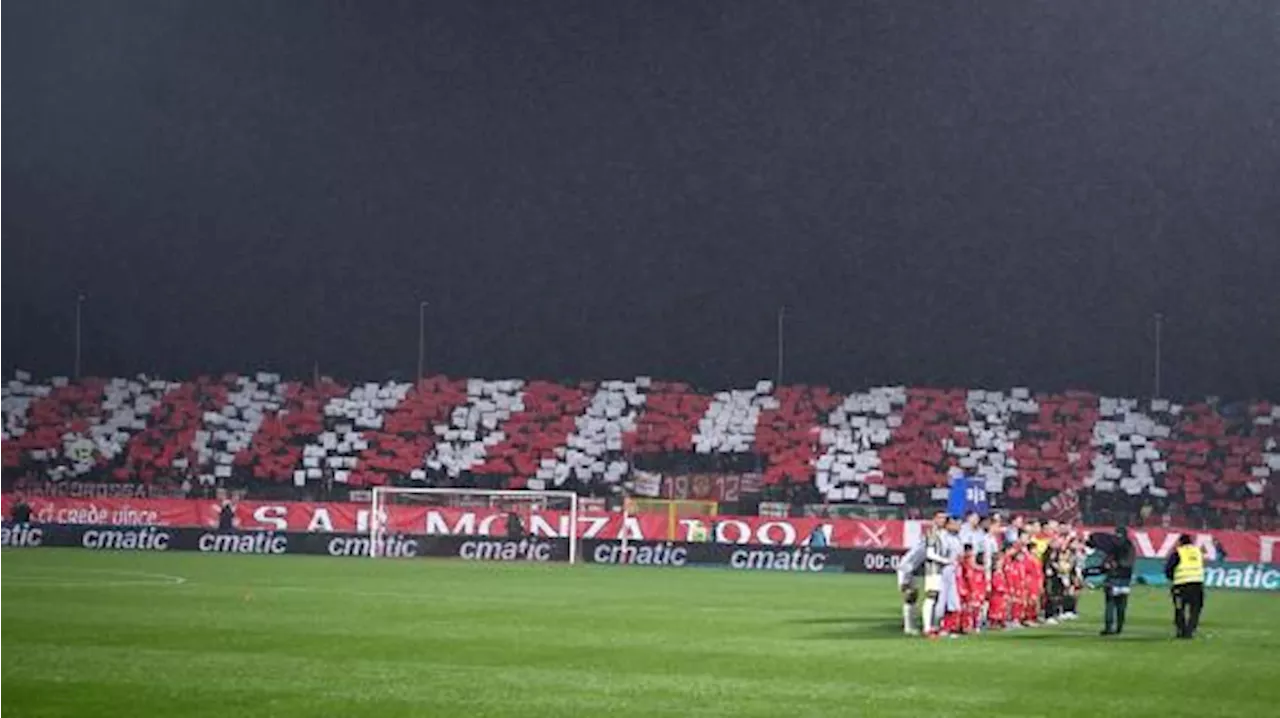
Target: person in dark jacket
{"type": "Point", "coordinates": [515, 527]}
{"type": "Point", "coordinates": [20, 511]}
{"type": "Point", "coordinates": [1117, 567]}
{"type": "Point", "coordinates": [227, 517]}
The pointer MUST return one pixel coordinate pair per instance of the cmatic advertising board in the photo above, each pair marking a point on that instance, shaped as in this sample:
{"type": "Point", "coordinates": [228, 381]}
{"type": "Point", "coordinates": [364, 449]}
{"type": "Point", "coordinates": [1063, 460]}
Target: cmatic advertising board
{"type": "Point", "coordinates": [151, 538]}
{"type": "Point", "coordinates": [1217, 574]}
{"type": "Point", "coordinates": [338, 517]}
{"type": "Point", "coordinates": [353, 518]}
{"type": "Point", "coordinates": [741, 557]}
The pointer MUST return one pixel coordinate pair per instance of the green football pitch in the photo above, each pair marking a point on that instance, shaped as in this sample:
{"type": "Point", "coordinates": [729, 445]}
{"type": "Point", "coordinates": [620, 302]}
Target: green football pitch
{"type": "Point", "coordinates": [132, 634]}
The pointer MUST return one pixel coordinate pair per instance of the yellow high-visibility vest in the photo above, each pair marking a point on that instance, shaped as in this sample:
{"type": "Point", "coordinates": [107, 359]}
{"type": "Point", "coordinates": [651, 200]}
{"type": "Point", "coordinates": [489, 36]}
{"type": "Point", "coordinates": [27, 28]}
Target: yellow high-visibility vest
{"type": "Point", "coordinates": [1190, 568]}
{"type": "Point", "coordinates": [1040, 545]}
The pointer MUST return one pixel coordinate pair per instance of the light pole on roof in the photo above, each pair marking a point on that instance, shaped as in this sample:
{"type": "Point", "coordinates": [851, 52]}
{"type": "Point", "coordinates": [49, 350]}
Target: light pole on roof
{"type": "Point", "coordinates": [1159, 327]}
{"type": "Point", "coordinates": [79, 317]}
{"type": "Point", "coordinates": [422, 339]}
{"type": "Point", "coordinates": [782, 316]}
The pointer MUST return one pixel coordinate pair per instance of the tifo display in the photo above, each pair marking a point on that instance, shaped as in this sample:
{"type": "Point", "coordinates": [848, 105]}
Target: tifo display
{"type": "Point", "coordinates": [894, 448]}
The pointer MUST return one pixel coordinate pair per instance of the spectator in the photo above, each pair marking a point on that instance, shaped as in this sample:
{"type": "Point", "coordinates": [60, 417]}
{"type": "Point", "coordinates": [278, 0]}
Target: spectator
{"type": "Point", "coordinates": [697, 532]}
{"type": "Point", "coordinates": [20, 511]}
{"type": "Point", "coordinates": [227, 517]}
{"type": "Point", "coordinates": [515, 527]}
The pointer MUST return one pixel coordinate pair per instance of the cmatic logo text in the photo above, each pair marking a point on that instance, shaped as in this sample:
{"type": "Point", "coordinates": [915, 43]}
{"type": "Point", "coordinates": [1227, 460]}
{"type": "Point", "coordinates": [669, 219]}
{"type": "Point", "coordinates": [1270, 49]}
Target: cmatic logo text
{"type": "Point", "coordinates": [496, 550]}
{"type": "Point", "coordinates": [1253, 576]}
{"type": "Point", "coordinates": [664, 554]}
{"type": "Point", "coordinates": [243, 543]}
{"type": "Point", "coordinates": [147, 539]}
{"type": "Point", "coordinates": [778, 560]}
{"type": "Point", "coordinates": [393, 547]}
{"type": "Point", "coordinates": [21, 535]}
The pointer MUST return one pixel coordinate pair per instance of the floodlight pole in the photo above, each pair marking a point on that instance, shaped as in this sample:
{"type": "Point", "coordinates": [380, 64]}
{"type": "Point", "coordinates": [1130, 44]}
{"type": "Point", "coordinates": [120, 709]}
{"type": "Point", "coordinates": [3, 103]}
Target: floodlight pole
{"type": "Point", "coordinates": [1159, 326]}
{"type": "Point", "coordinates": [79, 317]}
{"type": "Point", "coordinates": [782, 316]}
{"type": "Point", "coordinates": [422, 339]}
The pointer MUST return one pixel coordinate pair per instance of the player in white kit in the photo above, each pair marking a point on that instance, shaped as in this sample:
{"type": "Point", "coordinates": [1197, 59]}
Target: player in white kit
{"type": "Point", "coordinates": [944, 558]}
{"type": "Point", "coordinates": [941, 549]}
{"type": "Point", "coordinates": [911, 563]}
{"type": "Point", "coordinates": [907, 567]}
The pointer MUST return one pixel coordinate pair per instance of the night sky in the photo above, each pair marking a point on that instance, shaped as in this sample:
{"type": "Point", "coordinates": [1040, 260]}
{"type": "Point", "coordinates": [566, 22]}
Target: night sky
{"type": "Point", "coordinates": [957, 194]}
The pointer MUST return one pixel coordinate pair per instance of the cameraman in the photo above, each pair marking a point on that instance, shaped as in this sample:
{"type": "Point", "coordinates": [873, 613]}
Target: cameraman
{"type": "Point", "coordinates": [1117, 566]}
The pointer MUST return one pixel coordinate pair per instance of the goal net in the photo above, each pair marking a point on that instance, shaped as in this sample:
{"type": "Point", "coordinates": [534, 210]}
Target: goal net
{"type": "Point", "coordinates": [672, 509]}
{"type": "Point", "coordinates": [506, 525]}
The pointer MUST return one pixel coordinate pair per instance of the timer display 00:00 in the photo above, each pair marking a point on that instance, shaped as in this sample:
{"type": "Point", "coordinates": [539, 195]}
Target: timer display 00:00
{"type": "Point", "coordinates": [876, 561]}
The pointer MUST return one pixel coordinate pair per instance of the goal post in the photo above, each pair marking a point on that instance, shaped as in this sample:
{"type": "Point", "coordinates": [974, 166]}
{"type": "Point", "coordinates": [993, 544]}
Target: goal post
{"type": "Point", "coordinates": [553, 513]}
{"type": "Point", "coordinates": [673, 509]}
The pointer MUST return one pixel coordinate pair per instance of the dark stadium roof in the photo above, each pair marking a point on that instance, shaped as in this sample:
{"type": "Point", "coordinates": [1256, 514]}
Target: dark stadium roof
{"type": "Point", "coordinates": [995, 193]}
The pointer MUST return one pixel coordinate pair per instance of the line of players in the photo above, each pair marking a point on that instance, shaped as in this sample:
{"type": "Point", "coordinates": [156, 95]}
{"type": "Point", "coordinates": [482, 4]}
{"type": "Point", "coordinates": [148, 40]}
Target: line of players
{"type": "Point", "coordinates": [984, 575]}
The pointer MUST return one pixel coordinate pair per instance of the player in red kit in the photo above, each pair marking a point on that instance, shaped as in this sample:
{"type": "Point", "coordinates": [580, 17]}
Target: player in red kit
{"type": "Point", "coordinates": [976, 579]}
{"type": "Point", "coordinates": [964, 579]}
{"type": "Point", "coordinates": [1035, 585]}
{"type": "Point", "coordinates": [1023, 591]}
{"type": "Point", "coordinates": [1026, 578]}
{"type": "Point", "coordinates": [997, 610]}
{"type": "Point", "coordinates": [1013, 586]}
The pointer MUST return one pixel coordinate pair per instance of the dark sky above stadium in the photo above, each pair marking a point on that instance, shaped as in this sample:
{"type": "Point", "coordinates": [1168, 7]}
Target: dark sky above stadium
{"type": "Point", "coordinates": [959, 194]}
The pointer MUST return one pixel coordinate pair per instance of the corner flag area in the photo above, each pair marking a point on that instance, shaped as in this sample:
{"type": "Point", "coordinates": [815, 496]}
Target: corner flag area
{"type": "Point", "coordinates": [123, 634]}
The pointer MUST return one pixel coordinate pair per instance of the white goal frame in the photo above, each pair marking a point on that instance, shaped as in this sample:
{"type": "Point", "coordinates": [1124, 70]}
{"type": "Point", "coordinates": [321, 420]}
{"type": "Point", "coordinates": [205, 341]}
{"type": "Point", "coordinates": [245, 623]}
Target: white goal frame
{"type": "Point", "coordinates": [378, 505]}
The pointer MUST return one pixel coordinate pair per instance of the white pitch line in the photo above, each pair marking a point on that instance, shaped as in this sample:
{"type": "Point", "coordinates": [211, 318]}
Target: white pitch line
{"type": "Point", "coordinates": [78, 578]}
{"type": "Point", "coordinates": [175, 580]}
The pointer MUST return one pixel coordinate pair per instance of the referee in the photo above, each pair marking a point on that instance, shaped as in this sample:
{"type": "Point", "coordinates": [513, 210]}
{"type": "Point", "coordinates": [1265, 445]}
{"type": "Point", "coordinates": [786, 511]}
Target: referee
{"type": "Point", "coordinates": [1185, 568]}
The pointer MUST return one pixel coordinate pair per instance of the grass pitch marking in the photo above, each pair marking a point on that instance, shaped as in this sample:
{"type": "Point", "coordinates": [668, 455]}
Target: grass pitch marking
{"type": "Point", "coordinates": [96, 577]}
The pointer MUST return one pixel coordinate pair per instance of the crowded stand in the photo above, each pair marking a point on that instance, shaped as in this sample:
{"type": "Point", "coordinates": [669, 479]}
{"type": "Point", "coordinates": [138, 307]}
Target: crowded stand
{"type": "Point", "coordinates": [1198, 463]}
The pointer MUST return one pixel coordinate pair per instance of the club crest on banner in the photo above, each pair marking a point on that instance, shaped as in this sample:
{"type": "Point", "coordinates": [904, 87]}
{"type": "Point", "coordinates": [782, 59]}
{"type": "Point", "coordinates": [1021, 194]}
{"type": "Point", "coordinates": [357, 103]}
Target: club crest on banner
{"type": "Point", "coordinates": [80, 450]}
{"type": "Point", "coordinates": [967, 494]}
{"type": "Point", "coordinates": [874, 536]}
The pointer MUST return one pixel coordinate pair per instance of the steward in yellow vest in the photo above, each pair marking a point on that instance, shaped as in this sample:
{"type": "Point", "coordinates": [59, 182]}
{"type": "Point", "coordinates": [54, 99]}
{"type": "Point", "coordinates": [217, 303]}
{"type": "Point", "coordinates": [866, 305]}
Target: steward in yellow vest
{"type": "Point", "coordinates": [1185, 568]}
